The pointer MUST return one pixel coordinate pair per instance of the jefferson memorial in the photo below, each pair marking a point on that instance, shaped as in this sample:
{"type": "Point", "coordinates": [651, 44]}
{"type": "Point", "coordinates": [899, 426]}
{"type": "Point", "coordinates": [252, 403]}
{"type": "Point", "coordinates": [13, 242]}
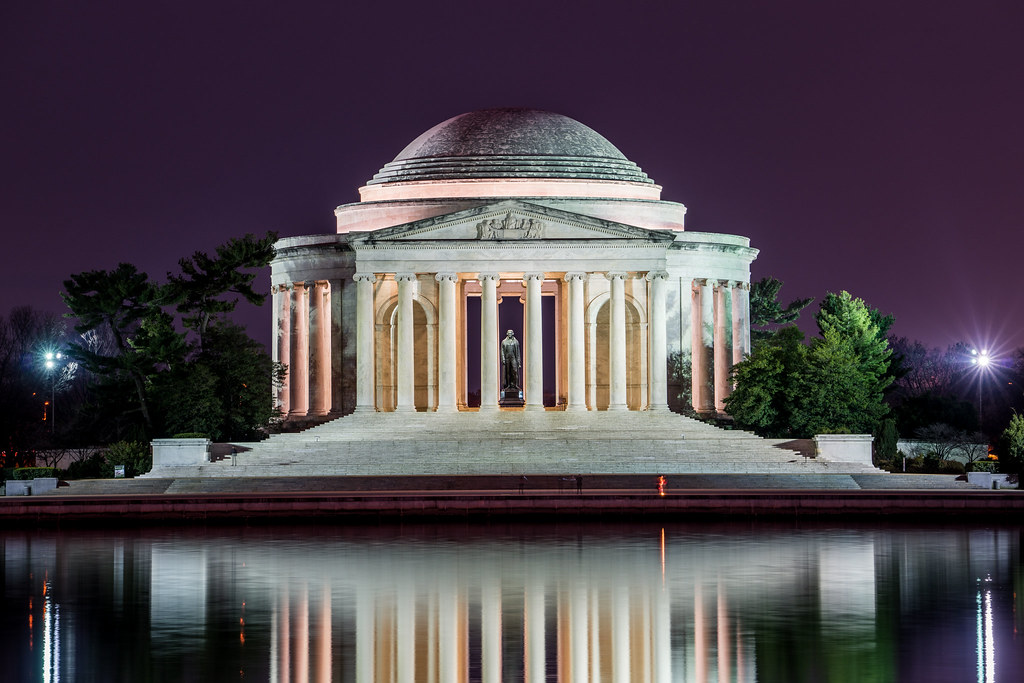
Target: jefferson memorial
{"type": "Point", "coordinates": [509, 222]}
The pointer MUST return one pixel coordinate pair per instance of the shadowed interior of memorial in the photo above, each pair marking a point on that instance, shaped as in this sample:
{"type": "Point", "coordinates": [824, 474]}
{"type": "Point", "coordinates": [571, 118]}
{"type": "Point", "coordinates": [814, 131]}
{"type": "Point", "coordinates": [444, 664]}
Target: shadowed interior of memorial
{"type": "Point", "coordinates": [509, 219]}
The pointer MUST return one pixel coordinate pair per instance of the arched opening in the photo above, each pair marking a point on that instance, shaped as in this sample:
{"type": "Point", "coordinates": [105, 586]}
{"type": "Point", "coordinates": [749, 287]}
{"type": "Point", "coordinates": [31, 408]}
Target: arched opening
{"type": "Point", "coordinates": [424, 358]}
{"type": "Point", "coordinates": [636, 385]}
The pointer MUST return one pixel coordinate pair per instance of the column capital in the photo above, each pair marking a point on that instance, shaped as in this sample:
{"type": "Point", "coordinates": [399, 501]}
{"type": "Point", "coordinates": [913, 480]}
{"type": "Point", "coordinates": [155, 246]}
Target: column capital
{"type": "Point", "coordinates": [449, 277]}
{"type": "Point", "coordinates": [488, 276]}
{"type": "Point", "coordinates": [569, 277]}
{"type": "Point", "coordinates": [738, 284]}
{"type": "Point", "coordinates": [656, 275]}
{"type": "Point", "coordinates": [298, 286]}
{"type": "Point", "coordinates": [533, 276]}
{"type": "Point", "coordinates": [365, 277]}
{"type": "Point", "coordinates": [615, 275]}
{"type": "Point", "coordinates": [405, 277]}
{"type": "Point", "coordinates": [323, 284]}
{"type": "Point", "coordinates": [703, 282]}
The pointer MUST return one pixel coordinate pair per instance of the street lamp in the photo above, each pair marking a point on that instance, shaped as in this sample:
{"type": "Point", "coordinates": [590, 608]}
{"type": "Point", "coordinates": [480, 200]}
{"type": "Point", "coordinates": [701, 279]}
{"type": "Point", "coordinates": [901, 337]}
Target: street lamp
{"type": "Point", "coordinates": [982, 360]}
{"type": "Point", "coordinates": [52, 359]}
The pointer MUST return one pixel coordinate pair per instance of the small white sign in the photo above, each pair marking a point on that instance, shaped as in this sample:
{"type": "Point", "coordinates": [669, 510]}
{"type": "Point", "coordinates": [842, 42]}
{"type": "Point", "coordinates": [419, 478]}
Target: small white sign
{"type": "Point", "coordinates": [118, 471]}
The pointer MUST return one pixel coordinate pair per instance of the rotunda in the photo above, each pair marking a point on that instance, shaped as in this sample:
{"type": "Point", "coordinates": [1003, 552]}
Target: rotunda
{"type": "Point", "coordinates": [509, 219]}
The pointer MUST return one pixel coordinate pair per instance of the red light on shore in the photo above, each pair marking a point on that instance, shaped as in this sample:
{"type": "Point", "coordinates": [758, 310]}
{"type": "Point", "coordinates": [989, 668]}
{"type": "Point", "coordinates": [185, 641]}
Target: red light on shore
{"type": "Point", "coordinates": [661, 485]}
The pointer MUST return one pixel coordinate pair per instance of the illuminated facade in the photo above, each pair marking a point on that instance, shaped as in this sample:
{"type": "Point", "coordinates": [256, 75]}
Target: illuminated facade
{"type": "Point", "coordinates": [403, 308]}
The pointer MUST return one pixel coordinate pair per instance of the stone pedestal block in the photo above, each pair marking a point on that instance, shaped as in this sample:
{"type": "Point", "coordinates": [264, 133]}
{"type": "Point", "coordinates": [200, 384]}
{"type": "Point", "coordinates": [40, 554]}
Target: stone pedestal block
{"type": "Point", "coordinates": [855, 448]}
{"type": "Point", "coordinates": [171, 452]}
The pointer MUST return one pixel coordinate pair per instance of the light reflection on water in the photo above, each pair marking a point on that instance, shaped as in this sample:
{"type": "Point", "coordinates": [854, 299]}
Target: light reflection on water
{"type": "Point", "coordinates": [743, 603]}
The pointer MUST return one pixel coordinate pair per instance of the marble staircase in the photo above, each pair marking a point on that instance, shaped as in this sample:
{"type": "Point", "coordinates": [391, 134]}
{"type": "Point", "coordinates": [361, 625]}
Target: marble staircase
{"type": "Point", "coordinates": [515, 442]}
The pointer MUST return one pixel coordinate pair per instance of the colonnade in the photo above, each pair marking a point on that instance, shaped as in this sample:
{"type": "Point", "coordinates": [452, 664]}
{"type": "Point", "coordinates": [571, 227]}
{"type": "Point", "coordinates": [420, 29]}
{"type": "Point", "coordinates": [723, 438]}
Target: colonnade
{"type": "Point", "coordinates": [717, 336]}
{"type": "Point", "coordinates": [302, 341]}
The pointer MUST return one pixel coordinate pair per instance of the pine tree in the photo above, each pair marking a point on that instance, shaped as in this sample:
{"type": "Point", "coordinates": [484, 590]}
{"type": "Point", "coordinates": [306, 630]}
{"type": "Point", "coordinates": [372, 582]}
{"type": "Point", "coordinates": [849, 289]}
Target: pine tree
{"type": "Point", "coordinates": [767, 314]}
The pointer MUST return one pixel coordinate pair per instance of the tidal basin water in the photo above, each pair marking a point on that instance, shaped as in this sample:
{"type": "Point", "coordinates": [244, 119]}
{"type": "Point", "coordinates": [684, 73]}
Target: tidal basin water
{"type": "Point", "coordinates": [531, 603]}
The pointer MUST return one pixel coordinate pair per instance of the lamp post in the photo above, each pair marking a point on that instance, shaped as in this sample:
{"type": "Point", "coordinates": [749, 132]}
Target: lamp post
{"type": "Point", "coordinates": [52, 360]}
{"type": "Point", "coordinates": [982, 360]}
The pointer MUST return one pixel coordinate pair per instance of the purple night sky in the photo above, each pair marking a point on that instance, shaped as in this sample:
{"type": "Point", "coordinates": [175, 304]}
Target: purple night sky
{"type": "Point", "coordinates": [876, 147]}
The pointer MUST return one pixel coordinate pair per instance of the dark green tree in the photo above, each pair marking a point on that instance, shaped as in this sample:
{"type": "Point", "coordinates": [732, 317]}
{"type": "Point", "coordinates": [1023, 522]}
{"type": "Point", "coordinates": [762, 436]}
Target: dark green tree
{"type": "Point", "coordinates": [886, 440]}
{"type": "Point", "coordinates": [785, 388]}
{"type": "Point", "coordinates": [217, 382]}
{"type": "Point", "coordinates": [119, 302]}
{"type": "Point", "coordinates": [225, 391]}
{"type": "Point", "coordinates": [865, 329]}
{"type": "Point", "coordinates": [838, 394]}
{"type": "Point", "coordinates": [209, 287]}
{"type": "Point", "coordinates": [766, 313]}
{"type": "Point", "coordinates": [769, 383]}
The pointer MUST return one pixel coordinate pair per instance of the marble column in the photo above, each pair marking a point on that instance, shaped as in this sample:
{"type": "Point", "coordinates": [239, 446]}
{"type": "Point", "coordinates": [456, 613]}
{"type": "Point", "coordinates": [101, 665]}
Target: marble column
{"type": "Point", "coordinates": [364, 342]}
{"type": "Point", "coordinates": [534, 351]}
{"type": "Point", "coordinates": [406, 350]}
{"type": "Point", "coordinates": [703, 346]}
{"type": "Point", "coordinates": [577, 349]}
{"type": "Point", "coordinates": [617, 343]}
{"type": "Point", "coordinates": [488, 341]}
{"type": "Point", "coordinates": [282, 342]}
{"type": "Point", "coordinates": [658, 354]}
{"type": "Point", "coordinates": [723, 349]}
{"type": "Point", "coordinates": [319, 348]}
{"type": "Point", "coordinates": [446, 346]}
{"type": "Point", "coordinates": [299, 365]}
{"type": "Point", "coordinates": [740, 321]}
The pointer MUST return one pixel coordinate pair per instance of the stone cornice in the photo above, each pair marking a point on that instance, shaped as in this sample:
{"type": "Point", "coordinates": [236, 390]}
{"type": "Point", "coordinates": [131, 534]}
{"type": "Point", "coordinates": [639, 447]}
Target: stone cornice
{"type": "Point", "coordinates": [501, 210]}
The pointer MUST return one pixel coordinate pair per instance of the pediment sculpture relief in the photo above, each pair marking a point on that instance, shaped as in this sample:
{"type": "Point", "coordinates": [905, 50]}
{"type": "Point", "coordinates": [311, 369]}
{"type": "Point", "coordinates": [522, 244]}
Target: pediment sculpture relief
{"type": "Point", "coordinates": [509, 228]}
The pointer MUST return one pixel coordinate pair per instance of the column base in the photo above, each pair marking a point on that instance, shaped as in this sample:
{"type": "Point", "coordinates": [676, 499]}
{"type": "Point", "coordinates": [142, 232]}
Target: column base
{"type": "Point", "coordinates": [658, 409]}
{"type": "Point", "coordinates": [618, 407]}
{"type": "Point", "coordinates": [576, 408]}
{"type": "Point", "coordinates": [405, 409]}
{"type": "Point", "coordinates": [365, 409]}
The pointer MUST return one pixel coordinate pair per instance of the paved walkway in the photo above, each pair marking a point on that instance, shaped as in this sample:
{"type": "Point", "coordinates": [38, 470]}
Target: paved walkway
{"type": "Point", "coordinates": [592, 484]}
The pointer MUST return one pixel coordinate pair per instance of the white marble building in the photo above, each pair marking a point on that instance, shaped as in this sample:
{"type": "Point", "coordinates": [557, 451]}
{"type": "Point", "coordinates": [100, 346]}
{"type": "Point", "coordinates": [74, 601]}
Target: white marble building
{"type": "Point", "coordinates": [399, 310]}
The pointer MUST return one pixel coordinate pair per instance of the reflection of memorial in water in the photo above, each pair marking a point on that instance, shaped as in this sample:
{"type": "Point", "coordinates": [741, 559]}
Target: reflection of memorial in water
{"type": "Point", "coordinates": [641, 605]}
{"type": "Point", "coordinates": [632, 611]}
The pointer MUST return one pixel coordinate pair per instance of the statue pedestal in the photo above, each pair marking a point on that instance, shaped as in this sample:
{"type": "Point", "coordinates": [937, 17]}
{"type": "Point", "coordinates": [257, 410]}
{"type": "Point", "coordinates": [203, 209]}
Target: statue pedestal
{"type": "Point", "coordinates": [513, 398]}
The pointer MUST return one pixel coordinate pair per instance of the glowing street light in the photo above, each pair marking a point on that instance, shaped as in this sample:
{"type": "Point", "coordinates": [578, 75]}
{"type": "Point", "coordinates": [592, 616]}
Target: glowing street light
{"type": "Point", "coordinates": [51, 359]}
{"type": "Point", "coordinates": [982, 359]}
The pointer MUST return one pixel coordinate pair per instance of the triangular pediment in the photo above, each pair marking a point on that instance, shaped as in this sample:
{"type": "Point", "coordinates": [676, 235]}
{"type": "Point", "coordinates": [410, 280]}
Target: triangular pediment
{"type": "Point", "coordinates": [512, 220]}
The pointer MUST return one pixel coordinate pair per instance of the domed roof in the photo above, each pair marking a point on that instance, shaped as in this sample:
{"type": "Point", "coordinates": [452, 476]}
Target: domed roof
{"type": "Point", "coordinates": [510, 143]}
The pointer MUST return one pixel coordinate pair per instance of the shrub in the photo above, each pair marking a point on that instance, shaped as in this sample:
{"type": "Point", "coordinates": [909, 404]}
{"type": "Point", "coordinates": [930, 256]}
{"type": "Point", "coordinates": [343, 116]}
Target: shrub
{"type": "Point", "coordinates": [982, 466]}
{"type": "Point", "coordinates": [25, 473]}
{"type": "Point", "coordinates": [134, 455]}
{"type": "Point", "coordinates": [87, 468]}
{"type": "Point", "coordinates": [951, 467]}
{"type": "Point", "coordinates": [886, 438]}
{"type": "Point", "coordinates": [190, 435]}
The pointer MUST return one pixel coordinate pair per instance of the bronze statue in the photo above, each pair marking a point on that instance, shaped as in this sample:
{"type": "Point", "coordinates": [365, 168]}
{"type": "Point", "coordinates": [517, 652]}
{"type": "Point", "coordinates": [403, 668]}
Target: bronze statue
{"type": "Point", "coordinates": [510, 362]}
